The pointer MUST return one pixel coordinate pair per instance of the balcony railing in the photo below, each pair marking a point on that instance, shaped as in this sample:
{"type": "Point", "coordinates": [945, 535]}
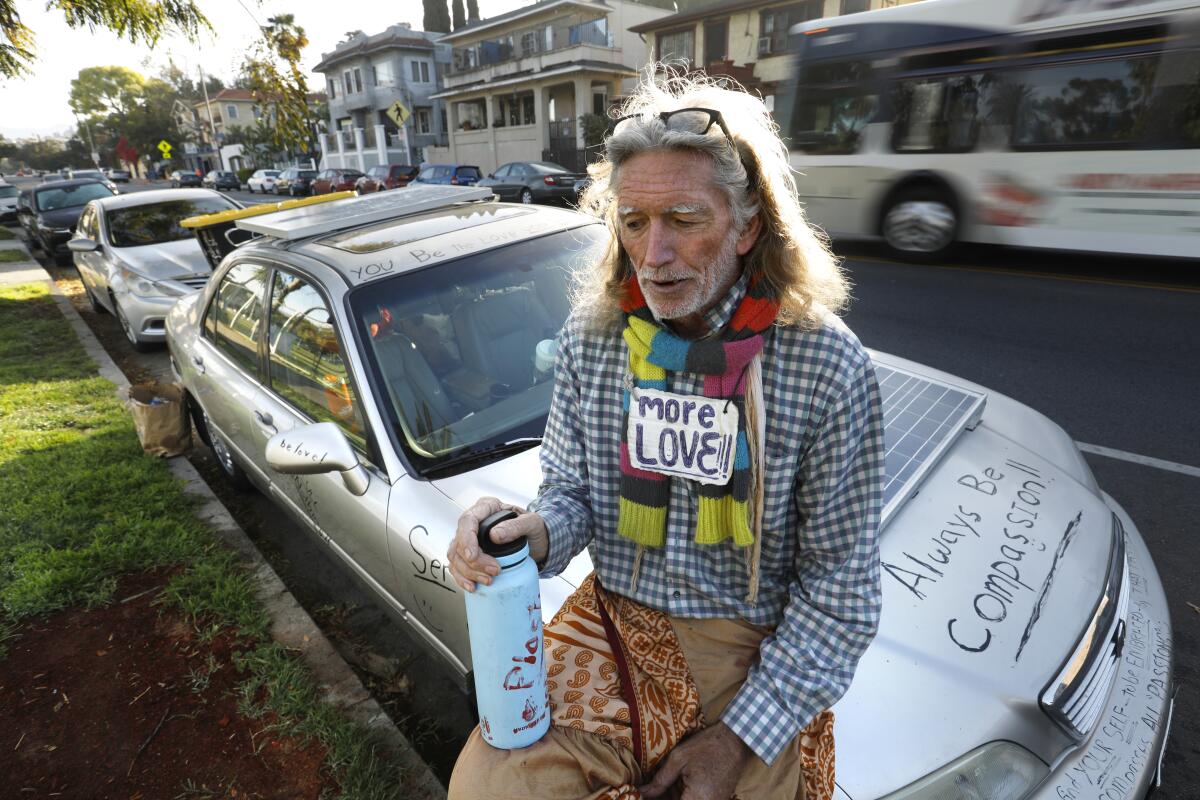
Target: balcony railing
{"type": "Point", "coordinates": [557, 34]}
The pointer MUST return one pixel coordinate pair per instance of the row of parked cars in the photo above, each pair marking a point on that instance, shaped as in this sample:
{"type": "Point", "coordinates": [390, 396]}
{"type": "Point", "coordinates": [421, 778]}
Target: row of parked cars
{"type": "Point", "coordinates": [1024, 651]}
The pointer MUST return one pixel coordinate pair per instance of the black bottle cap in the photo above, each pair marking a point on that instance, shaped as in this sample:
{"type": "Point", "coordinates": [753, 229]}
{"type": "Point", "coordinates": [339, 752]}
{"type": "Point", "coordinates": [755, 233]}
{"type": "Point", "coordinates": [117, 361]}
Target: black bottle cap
{"type": "Point", "coordinates": [485, 539]}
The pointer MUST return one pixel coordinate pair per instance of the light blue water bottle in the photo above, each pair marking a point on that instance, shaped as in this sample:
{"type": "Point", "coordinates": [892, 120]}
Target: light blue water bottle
{"type": "Point", "coordinates": [504, 621]}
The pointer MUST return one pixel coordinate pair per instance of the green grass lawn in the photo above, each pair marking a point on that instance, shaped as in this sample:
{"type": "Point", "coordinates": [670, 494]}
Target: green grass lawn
{"type": "Point", "coordinates": [7, 256]}
{"type": "Point", "coordinates": [82, 504]}
{"type": "Point", "coordinates": [5, 233]}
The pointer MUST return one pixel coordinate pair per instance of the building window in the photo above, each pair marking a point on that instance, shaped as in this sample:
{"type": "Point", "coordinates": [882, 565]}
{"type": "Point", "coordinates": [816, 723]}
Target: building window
{"type": "Point", "coordinates": [472, 115]}
{"type": "Point", "coordinates": [416, 71]}
{"type": "Point", "coordinates": [773, 24]}
{"type": "Point", "coordinates": [256, 111]}
{"type": "Point", "coordinates": [332, 87]}
{"type": "Point", "coordinates": [424, 72]}
{"type": "Point", "coordinates": [445, 125]}
{"type": "Point", "coordinates": [422, 121]}
{"type": "Point", "coordinates": [231, 112]}
{"type": "Point", "coordinates": [676, 45]}
{"type": "Point", "coordinates": [349, 87]}
{"type": "Point", "coordinates": [357, 79]}
{"type": "Point", "coordinates": [855, 6]}
{"type": "Point", "coordinates": [527, 115]}
{"type": "Point", "coordinates": [716, 41]}
{"type": "Point", "coordinates": [593, 31]}
{"type": "Point", "coordinates": [382, 73]}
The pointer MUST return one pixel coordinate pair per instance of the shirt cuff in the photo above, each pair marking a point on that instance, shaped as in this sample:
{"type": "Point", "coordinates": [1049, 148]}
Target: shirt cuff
{"type": "Point", "coordinates": [760, 721]}
{"type": "Point", "coordinates": [558, 555]}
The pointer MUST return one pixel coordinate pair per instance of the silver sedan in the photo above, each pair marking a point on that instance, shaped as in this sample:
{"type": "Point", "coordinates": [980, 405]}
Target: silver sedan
{"type": "Point", "coordinates": [135, 260]}
{"type": "Point", "coordinates": [378, 365]}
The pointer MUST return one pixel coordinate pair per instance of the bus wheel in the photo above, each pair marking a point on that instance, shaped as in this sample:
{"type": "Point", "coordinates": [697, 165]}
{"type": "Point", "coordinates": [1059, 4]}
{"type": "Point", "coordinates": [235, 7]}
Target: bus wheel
{"type": "Point", "coordinates": [920, 223]}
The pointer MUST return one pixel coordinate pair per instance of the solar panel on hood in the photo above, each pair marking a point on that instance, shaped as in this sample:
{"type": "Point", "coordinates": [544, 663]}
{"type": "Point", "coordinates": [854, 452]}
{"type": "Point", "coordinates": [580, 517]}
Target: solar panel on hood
{"type": "Point", "coordinates": [922, 417]}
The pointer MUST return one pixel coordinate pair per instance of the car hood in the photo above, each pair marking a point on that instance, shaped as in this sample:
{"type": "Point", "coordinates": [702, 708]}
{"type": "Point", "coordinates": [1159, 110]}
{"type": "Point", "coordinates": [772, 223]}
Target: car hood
{"type": "Point", "coordinates": [171, 261]}
{"type": "Point", "coordinates": [61, 217]}
{"type": "Point", "coordinates": [990, 573]}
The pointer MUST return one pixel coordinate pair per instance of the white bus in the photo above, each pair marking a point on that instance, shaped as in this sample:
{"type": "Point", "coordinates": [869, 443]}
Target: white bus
{"type": "Point", "coordinates": [1062, 124]}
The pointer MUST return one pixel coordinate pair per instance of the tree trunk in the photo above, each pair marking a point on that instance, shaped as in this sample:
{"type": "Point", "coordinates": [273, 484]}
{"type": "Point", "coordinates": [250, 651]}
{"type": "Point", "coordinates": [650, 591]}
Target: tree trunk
{"type": "Point", "coordinates": [437, 16]}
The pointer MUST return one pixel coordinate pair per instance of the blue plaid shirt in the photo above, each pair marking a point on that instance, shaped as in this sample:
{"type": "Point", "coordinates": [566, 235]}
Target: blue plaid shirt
{"type": "Point", "coordinates": [819, 572]}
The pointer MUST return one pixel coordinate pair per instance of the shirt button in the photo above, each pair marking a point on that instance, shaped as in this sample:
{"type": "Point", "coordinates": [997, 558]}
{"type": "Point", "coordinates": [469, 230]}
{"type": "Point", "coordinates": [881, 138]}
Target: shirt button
{"type": "Point", "coordinates": [676, 593]}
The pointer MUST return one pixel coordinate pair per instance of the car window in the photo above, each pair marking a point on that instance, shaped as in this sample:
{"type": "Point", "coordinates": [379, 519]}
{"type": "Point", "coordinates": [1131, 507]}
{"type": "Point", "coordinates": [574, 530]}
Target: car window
{"type": "Point", "coordinates": [547, 168]}
{"type": "Point", "coordinates": [425, 174]}
{"type": "Point", "coordinates": [503, 171]}
{"type": "Point", "coordinates": [378, 171]}
{"type": "Point", "coordinates": [9, 191]}
{"type": "Point", "coordinates": [468, 172]}
{"type": "Point", "coordinates": [56, 197]}
{"type": "Point", "coordinates": [465, 351]}
{"type": "Point", "coordinates": [271, 173]}
{"type": "Point", "coordinates": [235, 315]}
{"type": "Point", "coordinates": [158, 223]}
{"type": "Point", "coordinates": [441, 172]}
{"type": "Point", "coordinates": [85, 219]}
{"type": "Point", "coordinates": [306, 366]}
{"type": "Point", "coordinates": [307, 173]}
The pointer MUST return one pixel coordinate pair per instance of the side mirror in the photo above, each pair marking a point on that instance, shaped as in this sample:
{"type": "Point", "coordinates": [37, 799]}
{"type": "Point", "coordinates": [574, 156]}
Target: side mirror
{"type": "Point", "coordinates": [317, 449]}
{"type": "Point", "coordinates": [83, 245]}
{"type": "Point", "coordinates": [490, 175]}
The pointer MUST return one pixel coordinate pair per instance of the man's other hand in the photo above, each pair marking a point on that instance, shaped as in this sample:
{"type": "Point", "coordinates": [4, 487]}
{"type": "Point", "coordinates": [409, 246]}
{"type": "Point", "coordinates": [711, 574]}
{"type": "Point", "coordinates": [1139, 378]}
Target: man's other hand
{"type": "Point", "coordinates": [468, 564]}
{"type": "Point", "coordinates": [708, 764]}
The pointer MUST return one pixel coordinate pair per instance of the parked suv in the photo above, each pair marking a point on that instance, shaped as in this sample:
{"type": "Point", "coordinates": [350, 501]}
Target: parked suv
{"type": "Point", "coordinates": [182, 178]}
{"type": "Point", "coordinates": [335, 180]}
{"type": "Point", "coordinates": [295, 181]}
{"type": "Point", "coordinates": [453, 174]}
{"type": "Point", "coordinates": [1025, 649]}
{"type": "Point", "coordinates": [385, 176]}
{"type": "Point", "coordinates": [221, 179]}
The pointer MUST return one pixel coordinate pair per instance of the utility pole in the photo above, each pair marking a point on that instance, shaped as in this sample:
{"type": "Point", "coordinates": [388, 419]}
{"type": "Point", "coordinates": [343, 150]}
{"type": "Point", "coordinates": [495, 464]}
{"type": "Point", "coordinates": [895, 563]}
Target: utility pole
{"type": "Point", "coordinates": [211, 125]}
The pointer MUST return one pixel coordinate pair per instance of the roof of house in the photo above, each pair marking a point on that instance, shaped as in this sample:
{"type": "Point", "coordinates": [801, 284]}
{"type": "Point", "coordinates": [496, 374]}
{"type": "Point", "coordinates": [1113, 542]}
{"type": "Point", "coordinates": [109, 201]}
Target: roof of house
{"type": "Point", "coordinates": [701, 12]}
{"type": "Point", "coordinates": [395, 36]}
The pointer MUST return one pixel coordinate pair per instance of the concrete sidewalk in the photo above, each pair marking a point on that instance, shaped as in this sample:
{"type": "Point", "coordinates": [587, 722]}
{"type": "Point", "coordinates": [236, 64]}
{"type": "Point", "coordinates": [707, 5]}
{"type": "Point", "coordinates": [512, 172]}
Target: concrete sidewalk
{"type": "Point", "coordinates": [291, 626]}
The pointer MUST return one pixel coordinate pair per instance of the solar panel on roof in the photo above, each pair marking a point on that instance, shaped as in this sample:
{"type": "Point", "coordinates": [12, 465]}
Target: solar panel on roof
{"type": "Point", "coordinates": [299, 223]}
{"type": "Point", "coordinates": [922, 417]}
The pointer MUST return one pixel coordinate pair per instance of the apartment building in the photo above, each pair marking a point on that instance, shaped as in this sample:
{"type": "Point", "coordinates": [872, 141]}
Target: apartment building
{"type": "Point", "coordinates": [368, 74]}
{"type": "Point", "coordinates": [743, 39]}
{"type": "Point", "coordinates": [519, 82]}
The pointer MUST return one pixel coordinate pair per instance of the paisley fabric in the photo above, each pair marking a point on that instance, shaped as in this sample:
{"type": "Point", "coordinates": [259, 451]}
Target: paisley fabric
{"type": "Point", "coordinates": [627, 684]}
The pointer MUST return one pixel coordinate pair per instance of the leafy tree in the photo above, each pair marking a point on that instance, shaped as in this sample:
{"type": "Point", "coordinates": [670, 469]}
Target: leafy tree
{"type": "Point", "coordinates": [472, 10]}
{"type": "Point", "coordinates": [436, 18]}
{"type": "Point", "coordinates": [143, 21]}
{"type": "Point", "coordinates": [276, 77]}
{"type": "Point", "coordinates": [188, 90]}
{"type": "Point", "coordinates": [100, 91]}
{"type": "Point", "coordinates": [456, 6]}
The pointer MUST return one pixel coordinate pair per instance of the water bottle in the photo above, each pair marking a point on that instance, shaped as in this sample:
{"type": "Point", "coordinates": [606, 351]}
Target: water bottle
{"type": "Point", "coordinates": [504, 621]}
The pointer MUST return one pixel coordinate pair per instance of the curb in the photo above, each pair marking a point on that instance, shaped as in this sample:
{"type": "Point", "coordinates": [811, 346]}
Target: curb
{"type": "Point", "coordinates": [291, 625]}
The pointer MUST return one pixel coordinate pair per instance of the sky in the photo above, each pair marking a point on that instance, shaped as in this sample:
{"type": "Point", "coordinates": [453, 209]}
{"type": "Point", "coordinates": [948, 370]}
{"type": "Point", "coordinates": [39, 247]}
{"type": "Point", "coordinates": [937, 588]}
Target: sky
{"type": "Point", "coordinates": [37, 104]}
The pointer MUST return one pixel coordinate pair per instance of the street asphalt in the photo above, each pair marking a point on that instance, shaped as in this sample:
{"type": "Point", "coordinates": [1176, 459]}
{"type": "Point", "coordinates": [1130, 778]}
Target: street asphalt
{"type": "Point", "coordinates": [1106, 347]}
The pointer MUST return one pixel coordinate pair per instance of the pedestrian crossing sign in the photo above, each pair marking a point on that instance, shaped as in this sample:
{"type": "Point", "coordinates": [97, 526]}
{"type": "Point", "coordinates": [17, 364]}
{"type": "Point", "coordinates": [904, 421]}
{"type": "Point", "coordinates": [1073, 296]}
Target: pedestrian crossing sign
{"type": "Point", "coordinates": [164, 147]}
{"type": "Point", "coordinates": [398, 113]}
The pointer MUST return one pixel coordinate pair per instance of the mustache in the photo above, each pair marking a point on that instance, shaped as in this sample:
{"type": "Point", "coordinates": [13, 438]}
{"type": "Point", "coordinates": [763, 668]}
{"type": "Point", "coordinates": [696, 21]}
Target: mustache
{"type": "Point", "coordinates": [662, 278]}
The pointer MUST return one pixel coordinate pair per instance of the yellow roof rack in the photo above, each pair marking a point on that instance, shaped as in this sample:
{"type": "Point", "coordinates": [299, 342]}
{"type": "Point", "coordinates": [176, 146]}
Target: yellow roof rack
{"type": "Point", "coordinates": [234, 214]}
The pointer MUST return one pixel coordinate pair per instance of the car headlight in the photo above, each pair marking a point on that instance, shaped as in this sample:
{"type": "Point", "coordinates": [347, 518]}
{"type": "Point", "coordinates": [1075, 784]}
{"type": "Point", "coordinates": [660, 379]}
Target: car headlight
{"type": "Point", "coordinates": [144, 287]}
{"type": "Point", "coordinates": [996, 771]}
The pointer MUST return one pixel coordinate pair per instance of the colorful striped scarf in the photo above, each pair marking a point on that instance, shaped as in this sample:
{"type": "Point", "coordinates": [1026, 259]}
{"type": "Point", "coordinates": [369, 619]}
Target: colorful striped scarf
{"type": "Point", "coordinates": [722, 360]}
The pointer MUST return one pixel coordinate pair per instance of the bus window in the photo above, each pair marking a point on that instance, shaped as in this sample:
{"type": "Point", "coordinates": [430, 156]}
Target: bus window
{"type": "Point", "coordinates": [1084, 105]}
{"type": "Point", "coordinates": [834, 102]}
{"type": "Point", "coordinates": [1173, 118]}
{"type": "Point", "coordinates": [943, 114]}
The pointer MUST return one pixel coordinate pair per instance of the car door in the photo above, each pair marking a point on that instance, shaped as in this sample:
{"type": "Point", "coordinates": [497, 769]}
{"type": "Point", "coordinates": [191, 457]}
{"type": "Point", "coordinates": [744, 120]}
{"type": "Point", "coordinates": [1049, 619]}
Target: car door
{"type": "Point", "coordinates": [498, 180]}
{"type": "Point", "coordinates": [308, 381]}
{"type": "Point", "coordinates": [227, 359]}
{"type": "Point", "coordinates": [91, 265]}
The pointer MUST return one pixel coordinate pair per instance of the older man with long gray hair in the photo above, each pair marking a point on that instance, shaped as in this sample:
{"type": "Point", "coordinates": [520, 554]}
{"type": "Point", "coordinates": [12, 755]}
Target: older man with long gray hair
{"type": "Point", "coordinates": [715, 438]}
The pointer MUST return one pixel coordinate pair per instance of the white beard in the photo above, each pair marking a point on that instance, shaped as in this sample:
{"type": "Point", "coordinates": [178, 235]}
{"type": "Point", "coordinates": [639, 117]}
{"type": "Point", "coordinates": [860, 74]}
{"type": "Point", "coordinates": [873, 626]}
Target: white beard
{"type": "Point", "coordinates": [720, 273]}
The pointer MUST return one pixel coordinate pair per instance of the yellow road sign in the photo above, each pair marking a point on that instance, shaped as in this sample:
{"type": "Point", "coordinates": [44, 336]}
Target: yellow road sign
{"type": "Point", "coordinates": [398, 112]}
{"type": "Point", "coordinates": [164, 147]}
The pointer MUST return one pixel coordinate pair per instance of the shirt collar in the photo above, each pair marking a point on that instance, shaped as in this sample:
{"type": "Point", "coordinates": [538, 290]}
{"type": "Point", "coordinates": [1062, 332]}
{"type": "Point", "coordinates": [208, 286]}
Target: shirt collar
{"type": "Point", "coordinates": [717, 317]}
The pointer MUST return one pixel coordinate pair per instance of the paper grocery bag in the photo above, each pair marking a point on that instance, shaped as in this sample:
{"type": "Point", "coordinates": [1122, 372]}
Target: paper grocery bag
{"type": "Point", "coordinates": [161, 418]}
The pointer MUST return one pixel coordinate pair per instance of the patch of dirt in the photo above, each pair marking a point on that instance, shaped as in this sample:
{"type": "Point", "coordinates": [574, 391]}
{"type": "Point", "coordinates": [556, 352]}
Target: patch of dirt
{"type": "Point", "coordinates": [125, 701]}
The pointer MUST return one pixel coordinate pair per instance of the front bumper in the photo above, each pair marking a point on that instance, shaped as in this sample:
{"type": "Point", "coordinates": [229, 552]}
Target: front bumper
{"type": "Point", "coordinates": [1121, 759]}
{"type": "Point", "coordinates": [146, 315]}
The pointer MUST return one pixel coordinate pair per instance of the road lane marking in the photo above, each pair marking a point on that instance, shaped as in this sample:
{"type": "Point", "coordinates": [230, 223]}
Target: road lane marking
{"type": "Point", "coordinates": [1163, 287]}
{"type": "Point", "coordinates": [1146, 461]}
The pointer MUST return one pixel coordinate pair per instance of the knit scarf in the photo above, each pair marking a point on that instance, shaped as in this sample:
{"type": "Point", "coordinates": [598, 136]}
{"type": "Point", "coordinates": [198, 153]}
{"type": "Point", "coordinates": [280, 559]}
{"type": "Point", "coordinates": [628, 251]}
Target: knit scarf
{"type": "Point", "coordinates": [722, 360]}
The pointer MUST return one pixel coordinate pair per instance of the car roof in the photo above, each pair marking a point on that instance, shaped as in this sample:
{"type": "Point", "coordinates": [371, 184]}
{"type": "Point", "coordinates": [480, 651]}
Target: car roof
{"type": "Point", "coordinates": [68, 182]}
{"type": "Point", "coordinates": [153, 196]}
{"type": "Point", "coordinates": [422, 239]}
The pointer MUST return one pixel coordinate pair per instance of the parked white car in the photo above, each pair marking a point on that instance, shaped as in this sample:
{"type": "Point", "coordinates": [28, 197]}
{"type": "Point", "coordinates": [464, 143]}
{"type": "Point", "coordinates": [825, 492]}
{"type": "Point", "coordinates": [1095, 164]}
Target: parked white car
{"type": "Point", "coordinates": [8, 202]}
{"type": "Point", "coordinates": [136, 260]}
{"type": "Point", "coordinates": [262, 180]}
{"type": "Point", "coordinates": [1025, 647]}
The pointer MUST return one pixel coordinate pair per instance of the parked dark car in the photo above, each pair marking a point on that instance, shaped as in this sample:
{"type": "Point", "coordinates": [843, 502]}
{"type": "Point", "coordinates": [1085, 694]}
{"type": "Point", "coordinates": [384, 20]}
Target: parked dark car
{"type": "Point", "coordinates": [533, 182]}
{"type": "Point", "coordinates": [335, 180]}
{"type": "Point", "coordinates": [8, 201]}
{"type": "Point", "coordinates": [181, 178]}
{"type": "Point", "coordinates": [119, 175]}
{"type": "Point", "coordinates": [453, 174]}
{"type": "Point", "coordinates": [386, 176]}
{"type": "Point", "coordinates": [221, 179]}
{"type": "Point", "coordinates": [48, 212]}
{"type": "Point", "coordinates": [295, 181]}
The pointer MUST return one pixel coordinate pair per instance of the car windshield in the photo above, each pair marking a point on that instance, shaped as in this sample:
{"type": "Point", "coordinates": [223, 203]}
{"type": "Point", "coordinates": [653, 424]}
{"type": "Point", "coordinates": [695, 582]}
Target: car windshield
{"type": "Point", "coordinates": [308, 173]}
{"type": "Point", "coordinates": [465, 349]}
{"type": "Point", "coordinates": [53, 198]}
{"type": "Point", "coordinates": [9, 191]}
{"type": "Point", "coordinates": [158, 223]}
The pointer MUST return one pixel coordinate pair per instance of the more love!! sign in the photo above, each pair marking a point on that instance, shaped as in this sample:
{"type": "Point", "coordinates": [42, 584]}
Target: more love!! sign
{"type": "Point", "coordinates": [686, 435]}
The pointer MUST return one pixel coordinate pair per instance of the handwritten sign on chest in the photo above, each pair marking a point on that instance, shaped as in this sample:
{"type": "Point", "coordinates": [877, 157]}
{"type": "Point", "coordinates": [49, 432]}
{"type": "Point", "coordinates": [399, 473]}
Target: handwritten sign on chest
{"type": "Point", "coordinates": [686, 435]}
